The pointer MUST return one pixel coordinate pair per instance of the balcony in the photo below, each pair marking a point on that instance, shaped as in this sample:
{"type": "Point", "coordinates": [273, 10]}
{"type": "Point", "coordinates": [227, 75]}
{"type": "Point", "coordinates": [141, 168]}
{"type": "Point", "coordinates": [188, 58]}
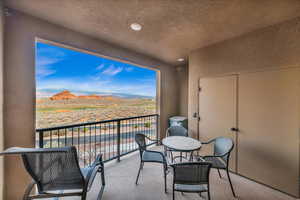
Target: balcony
{"type": "Point", "coordinates": [230, 67]}
{"type": "Point", "coordinates": [121, 186]}
{"type": "Point", "coordinates": [114, 139]}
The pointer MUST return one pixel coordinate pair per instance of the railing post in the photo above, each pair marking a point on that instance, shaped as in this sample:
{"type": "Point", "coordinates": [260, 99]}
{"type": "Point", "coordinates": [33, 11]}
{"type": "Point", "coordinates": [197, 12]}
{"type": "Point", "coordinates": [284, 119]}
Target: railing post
{"type": "Point", "coordinates": [41, 139]}
{"type": "Point", "coordinates": [157, 131]}
{"type": "Point", "coordinates": [118, 140]}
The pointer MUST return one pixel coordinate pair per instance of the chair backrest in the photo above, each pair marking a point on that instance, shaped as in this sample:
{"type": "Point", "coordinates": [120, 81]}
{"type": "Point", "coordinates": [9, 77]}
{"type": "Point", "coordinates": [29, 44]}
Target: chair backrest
{"type": "Point", "coordinates": [54, 170]}
{"type": "Point", "coordinates": [223, 147]}
{"type": "Point", "coordinates": [191, 173]}
{"type": "Point", "coordinates": [177, 131]}
{"type": "Point", "coordinates": [141, 141]}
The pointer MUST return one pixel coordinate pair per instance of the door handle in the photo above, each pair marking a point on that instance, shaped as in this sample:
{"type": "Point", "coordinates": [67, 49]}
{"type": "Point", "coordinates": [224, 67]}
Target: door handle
{"type": "Point", "coordinates": [234, 129]}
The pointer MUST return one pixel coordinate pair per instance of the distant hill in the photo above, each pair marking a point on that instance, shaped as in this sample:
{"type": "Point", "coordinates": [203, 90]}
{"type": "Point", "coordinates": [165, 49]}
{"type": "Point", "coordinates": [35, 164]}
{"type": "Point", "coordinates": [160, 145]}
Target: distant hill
{"type": "Point", "coordinates": [48, 93]}
{"type": "Point", "coordinates": [92, 96]}
{"type": "Point", "coordinates": [64, 95]}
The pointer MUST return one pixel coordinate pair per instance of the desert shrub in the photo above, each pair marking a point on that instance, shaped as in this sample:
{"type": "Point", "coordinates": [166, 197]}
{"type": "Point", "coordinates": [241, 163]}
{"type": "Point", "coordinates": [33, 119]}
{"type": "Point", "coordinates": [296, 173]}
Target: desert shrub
{"type": "Point", "coordinates": [147, 124]}
{"type": "Point", "coordinates": [56, 133]}
{"type": "Point", "coordinates": [85, 129]}
{"type": "Point", "coordinates": [54, 144]}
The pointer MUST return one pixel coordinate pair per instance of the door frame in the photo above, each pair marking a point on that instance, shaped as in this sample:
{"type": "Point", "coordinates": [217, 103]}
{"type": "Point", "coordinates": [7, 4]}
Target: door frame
{"type": "Point", "coordinates": [236, 139]}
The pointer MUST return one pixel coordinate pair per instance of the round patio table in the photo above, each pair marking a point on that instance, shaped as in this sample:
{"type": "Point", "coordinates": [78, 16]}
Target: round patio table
{"type": "Point", "coordinates": [181, 144]}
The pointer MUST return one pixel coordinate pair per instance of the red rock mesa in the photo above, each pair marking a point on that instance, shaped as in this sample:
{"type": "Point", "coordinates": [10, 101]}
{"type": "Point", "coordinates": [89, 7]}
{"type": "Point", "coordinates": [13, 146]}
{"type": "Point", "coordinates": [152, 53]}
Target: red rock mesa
{"type": "Point", "coordinates": [64, 95]}
{"type": "Point", "coordinates": [92, 96]}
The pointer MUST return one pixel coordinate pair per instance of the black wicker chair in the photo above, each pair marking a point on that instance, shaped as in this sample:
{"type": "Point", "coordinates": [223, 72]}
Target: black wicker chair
{"type": "Point", "coordinates": [176, 131]}
{"type": "Point", "coordinates": [56, 172]}
{"type": "Point", "coordinates": [191, 177]}
{"type": "Point", "coordinates": [150, 156]}
{"type": "Point", "coordinates": [220, 159]}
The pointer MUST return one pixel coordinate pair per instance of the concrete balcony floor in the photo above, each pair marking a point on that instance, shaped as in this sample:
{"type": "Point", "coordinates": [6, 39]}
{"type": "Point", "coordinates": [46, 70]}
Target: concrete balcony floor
{"type": "Point", "coordinates": [120, 184]}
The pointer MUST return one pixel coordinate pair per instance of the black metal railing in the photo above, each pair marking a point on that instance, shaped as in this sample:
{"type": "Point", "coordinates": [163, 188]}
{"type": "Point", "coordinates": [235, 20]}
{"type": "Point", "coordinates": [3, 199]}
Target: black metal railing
{"type": "Point", "coordinates": [112, 138]}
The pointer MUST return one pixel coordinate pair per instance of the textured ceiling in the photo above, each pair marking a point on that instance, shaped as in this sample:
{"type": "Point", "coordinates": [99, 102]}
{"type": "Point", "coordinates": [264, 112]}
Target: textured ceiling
{"type": "Point", "coordinates": [171, 28]}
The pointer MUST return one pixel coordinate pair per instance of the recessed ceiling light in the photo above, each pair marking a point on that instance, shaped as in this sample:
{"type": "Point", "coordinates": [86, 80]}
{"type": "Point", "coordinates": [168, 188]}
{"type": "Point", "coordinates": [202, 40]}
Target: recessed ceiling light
{"type": "Point", "coordinates": [136, 26]}
{"type": "Point", "coordinates": [180, 59]}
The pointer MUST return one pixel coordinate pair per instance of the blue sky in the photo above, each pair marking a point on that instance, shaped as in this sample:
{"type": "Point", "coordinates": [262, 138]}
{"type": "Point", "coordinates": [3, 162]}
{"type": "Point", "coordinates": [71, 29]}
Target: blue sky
{"type": "Point", "coordinates": [60, 68]}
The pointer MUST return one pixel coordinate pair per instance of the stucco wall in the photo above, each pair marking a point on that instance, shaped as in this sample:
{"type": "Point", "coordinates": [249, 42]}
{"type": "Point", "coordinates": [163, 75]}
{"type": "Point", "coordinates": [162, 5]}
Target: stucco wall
{"type": "Point", "coordinates": [182, 73]}
{"type": "Point", "coordinates": [19, 102]}
{"type": "Point", "coordinates": [275, 46]}
{"type": "Point", "coordinates": [1, 95]}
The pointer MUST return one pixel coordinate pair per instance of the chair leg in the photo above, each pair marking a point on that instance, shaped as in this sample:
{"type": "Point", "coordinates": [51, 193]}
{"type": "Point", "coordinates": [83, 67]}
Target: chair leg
{"type": "Point", "coordinates": [142, 166]}
{"type": "Point", "coordinates": [173, 192]}
{"type": "Point", "coordinates": [83, 197]}
{"type": "Point", "coordinates": [100, 194]}
{"type": "Point", "coordinates": [101, 171]}
{"type": "Point", "coordinates": [208, 195]}
{"type": "Point", "coordinates": [137, 178]}
{"type": "Point", "coordinates": [165, 151]}
{"type": "Point", "coordinates": [165, 178]}
{"type": "Point", "coordinates": [200, 194]}
{"type": "Point", "coordinates": [28, 191]}
{"type": "Point", "coordinates": [219, 173]}
{"type": "Point", "coordinates": [230, 182]}
{"type": "Point", "coordinates": [103, 178]}
{"type": "Point", "coordinates": [191, 156]}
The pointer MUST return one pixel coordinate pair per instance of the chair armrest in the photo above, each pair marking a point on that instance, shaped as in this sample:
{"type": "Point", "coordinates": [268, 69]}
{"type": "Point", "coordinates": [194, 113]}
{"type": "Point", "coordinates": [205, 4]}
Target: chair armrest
{"type": "Point", "coordinates": [98, 160]}
{"type": "Point", "coordinates": [184, 163]}
{"type": "Point", "coordinates": [210, 141]}
{"type": "Point", "coordinates": [167, 132]}
{"type": "Point", "coordinates": [151, 139]}
{"type": "Point", "coordinates": [201, 159]}
{"type": "Point", "coordinates": [158, 152]}
{"type": "Point", "coordinates": [213, 156]}
{"type": "Point", "coordinates": [210, 156]}
{"type": "Point", "coordinates": [94, 168]}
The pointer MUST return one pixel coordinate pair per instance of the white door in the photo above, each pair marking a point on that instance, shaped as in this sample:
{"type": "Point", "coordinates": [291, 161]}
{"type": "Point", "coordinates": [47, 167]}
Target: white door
{"type": "Point", "coordinates": [217, 111]}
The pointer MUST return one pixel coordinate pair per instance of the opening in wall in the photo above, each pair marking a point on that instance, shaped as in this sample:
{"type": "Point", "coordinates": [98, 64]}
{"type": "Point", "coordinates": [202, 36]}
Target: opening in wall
{"type": "Point", "coordinates": [92, 102]}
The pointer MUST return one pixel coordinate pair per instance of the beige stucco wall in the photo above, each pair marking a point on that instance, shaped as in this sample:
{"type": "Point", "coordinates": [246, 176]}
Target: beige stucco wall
{"type": "Point", "coordinates": [276, 46]}
{"type": "Point", "coordinates": [182, 73]}
{"type": "Point", "coordinates": [1, 95]}
{"type": "Point", "coordinates": [19, 102]}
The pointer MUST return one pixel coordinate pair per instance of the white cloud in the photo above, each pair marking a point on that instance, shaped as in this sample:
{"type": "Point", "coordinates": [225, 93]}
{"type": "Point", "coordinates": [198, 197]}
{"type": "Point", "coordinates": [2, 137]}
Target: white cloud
{"type": "Point", "coordinates": [43, 94]}
{"type": "Point", "coordinates": [43, 66]}
{"type": "Point", "coordinates": [112, 70]}
{"type": "Point", "coordinates": [100, 67]}
{"type": "Point", "coordinates": [54, 52]}
{"type": "Point", "coordinates": [128, 69]}
{"type": "Point", "coordinates": [42, 60]}
{"type": "Point", "coordinates": [44, 71]}
{"type": "Point", "coordinates": [69, 84]}
{"type": "Point", "coordinates": [46, 57]}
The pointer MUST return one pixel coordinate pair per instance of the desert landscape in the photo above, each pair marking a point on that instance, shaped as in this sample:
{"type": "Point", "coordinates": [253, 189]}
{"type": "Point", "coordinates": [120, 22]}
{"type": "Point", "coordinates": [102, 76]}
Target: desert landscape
{"type": "Point", "coordinates": [66, 108]}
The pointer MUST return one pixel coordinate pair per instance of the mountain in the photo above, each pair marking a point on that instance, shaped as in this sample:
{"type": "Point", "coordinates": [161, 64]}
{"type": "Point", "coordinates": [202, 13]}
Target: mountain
{"type": "Point", "coordinates": [46, 93]}
{"type": "Point", "coordinates": [92, 96]}
{"type": "Point", "coordinates": [64, 95]}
